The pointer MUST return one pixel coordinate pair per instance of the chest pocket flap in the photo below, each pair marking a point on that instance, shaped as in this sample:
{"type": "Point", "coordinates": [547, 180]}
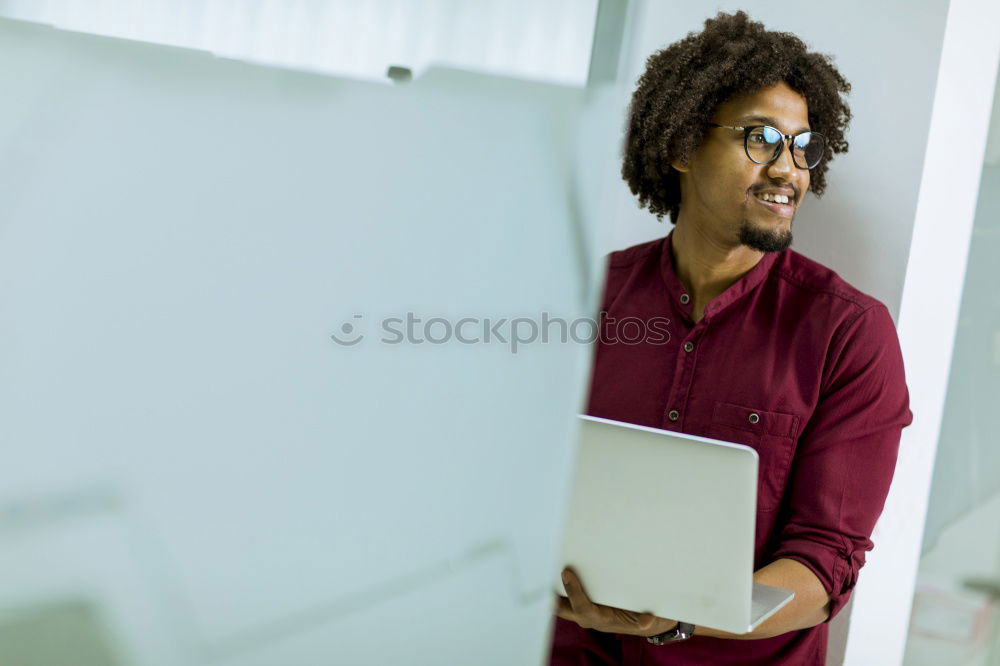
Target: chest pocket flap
{"type": "Point", "coordinates": [757, 421]}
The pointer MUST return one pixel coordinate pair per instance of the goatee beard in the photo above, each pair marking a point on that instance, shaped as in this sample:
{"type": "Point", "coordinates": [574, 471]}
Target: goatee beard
{"type": "Point", "coordinates": [764, 240]}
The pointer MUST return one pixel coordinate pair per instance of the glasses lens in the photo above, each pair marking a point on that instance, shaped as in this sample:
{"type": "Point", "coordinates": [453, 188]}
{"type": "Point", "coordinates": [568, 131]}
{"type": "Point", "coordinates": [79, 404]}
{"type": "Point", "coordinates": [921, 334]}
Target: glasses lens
{"type": "Point", "coordinates": [808, 149]}
{"type": "Point", "coordinates": [763, 143]}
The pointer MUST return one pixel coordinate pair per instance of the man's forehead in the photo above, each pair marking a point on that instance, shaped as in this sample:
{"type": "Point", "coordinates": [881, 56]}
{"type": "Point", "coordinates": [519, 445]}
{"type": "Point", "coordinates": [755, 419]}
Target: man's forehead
{"type": "Point", "coordinates": [779, 105]}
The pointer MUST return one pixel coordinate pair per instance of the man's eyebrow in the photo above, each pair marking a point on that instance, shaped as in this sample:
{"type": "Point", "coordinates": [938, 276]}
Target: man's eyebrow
{"type": "Point", "coordinates": [769, 121]}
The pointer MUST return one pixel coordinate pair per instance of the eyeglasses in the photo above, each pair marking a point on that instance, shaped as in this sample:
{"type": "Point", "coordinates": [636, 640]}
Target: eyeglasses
{"type": "Point", "coordinates": [763, 144]}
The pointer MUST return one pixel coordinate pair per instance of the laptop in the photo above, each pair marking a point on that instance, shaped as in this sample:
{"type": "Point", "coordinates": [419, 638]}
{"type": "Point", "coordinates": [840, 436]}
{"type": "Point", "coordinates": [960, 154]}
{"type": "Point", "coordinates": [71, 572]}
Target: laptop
{"type": "Point", "coordinates": [664, 522]}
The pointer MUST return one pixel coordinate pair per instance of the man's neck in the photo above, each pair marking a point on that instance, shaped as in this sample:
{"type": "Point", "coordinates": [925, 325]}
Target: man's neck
{"type": "Point", "coordinates": [706, 266]}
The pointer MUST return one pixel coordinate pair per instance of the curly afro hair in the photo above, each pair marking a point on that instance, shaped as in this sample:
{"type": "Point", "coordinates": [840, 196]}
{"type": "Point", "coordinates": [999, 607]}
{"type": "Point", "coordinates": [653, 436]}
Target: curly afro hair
{"type": "Point", "coordinates": [684, 84]}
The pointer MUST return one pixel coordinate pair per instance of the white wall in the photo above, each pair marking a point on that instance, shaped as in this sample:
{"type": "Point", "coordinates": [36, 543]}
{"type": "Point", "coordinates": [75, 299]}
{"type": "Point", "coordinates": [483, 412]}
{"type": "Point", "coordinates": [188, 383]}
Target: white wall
{"type": "Point", "coordinates": [993, 143]}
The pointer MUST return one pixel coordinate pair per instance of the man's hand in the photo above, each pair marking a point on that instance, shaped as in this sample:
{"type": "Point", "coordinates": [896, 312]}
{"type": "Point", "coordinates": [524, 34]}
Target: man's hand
{"type": "Point", "coordinates": [580, 609]}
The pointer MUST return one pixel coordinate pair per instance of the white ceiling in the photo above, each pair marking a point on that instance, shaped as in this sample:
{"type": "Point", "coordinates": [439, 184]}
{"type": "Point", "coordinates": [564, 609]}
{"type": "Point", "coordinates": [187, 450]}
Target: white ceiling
{"type": "Point", "coordinates": [546, 41]}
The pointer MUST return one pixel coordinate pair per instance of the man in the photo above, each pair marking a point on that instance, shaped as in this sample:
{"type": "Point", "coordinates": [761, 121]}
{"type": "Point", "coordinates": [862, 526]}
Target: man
{"type": "Point", "coordinates": [729, 129]}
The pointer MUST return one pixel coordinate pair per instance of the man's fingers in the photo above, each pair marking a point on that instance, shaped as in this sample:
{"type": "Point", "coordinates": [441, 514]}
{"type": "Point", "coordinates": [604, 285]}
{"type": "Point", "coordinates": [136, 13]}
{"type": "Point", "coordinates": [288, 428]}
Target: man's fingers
{"type": "Point", "coordinates": [564, 609]}
{"type": "Point", "coordinates": [580, 609]}
{"type": "Point", "coordinates": [586, 613]}
{"type": "Point", "coordinates": [591, 615]}
{"type": "Point", "coordinates": [574, 590]}
{"type": "Point", "coordinates": [577, 607]}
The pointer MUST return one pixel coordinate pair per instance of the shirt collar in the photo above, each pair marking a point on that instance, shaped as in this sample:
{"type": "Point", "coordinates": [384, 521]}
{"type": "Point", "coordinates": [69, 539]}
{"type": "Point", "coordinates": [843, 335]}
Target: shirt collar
{"type": "Point", "coordinates": [746, 284]}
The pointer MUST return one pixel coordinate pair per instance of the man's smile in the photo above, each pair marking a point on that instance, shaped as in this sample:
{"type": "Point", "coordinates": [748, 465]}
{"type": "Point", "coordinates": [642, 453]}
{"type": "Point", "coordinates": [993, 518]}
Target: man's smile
{"type": "Point", "coordinates": [782, 210]}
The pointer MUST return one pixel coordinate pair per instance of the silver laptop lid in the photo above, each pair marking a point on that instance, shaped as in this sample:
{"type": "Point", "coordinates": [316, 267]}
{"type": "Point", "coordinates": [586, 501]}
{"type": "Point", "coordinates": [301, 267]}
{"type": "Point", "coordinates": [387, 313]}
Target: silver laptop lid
{"type": "Point", "coordinates": [664, 522]}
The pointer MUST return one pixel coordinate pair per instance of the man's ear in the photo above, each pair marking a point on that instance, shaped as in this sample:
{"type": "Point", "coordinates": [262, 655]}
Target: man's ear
{"type": "Point", "coordinates": [680, 165]}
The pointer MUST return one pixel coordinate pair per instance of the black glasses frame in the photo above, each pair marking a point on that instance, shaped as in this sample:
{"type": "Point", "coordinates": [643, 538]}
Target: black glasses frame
{"type": "Point", "coordinates": [778, 147]}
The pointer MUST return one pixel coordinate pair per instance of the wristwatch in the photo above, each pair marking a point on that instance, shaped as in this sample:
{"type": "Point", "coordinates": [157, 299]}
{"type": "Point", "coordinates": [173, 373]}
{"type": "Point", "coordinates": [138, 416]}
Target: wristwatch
{"type": "Point", "coordinates": [681, 632]}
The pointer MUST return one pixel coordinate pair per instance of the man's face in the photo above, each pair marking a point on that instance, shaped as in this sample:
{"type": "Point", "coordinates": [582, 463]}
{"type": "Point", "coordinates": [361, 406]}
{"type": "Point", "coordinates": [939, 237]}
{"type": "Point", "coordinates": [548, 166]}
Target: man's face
{"type": "Point", "coordinates": [720, 184]}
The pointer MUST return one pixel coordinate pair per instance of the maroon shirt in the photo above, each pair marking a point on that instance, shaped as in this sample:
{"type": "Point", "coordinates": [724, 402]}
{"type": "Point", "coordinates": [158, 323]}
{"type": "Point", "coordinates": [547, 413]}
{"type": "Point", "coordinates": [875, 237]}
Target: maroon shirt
{"type": "Point", "coordinates": [790, 360]}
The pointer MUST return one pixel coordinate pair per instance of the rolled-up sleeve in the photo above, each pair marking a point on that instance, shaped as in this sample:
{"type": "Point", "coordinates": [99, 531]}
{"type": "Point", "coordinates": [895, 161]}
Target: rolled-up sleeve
{"type": "Point", "coordinates": [845, 459]}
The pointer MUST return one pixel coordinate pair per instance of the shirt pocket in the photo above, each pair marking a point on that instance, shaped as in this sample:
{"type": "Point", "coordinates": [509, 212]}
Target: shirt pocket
{"type": "Point", "coordinates": [771, 434]}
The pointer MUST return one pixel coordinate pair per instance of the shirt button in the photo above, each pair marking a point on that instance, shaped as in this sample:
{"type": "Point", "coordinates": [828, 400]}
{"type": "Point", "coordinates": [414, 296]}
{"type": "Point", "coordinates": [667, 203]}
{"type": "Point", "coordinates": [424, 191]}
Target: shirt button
{"type": "Point", "coordinates": [685, 299]}
{"type": "Point", "coordinates": [688, 346]}
{"type": "Point", "coordinates": [673, 415]}
{"type": "Point", "coordinates": [754, 418]}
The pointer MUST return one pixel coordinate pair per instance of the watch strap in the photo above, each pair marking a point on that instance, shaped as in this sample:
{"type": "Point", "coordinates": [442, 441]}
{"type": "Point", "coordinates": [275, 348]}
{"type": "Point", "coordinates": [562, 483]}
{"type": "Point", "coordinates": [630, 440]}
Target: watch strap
{"type": "Point", "coordinates": [681, 632]}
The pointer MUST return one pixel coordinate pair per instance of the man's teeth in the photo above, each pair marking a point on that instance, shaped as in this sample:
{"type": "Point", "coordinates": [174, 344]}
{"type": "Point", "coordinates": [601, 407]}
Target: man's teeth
{"type": "Point", "coordinates": [775, 198]}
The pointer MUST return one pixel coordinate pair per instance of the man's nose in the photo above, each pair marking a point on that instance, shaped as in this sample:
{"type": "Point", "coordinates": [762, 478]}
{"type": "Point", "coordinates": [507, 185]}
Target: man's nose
{"type": "Point", "coordinates": [783, 164]}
